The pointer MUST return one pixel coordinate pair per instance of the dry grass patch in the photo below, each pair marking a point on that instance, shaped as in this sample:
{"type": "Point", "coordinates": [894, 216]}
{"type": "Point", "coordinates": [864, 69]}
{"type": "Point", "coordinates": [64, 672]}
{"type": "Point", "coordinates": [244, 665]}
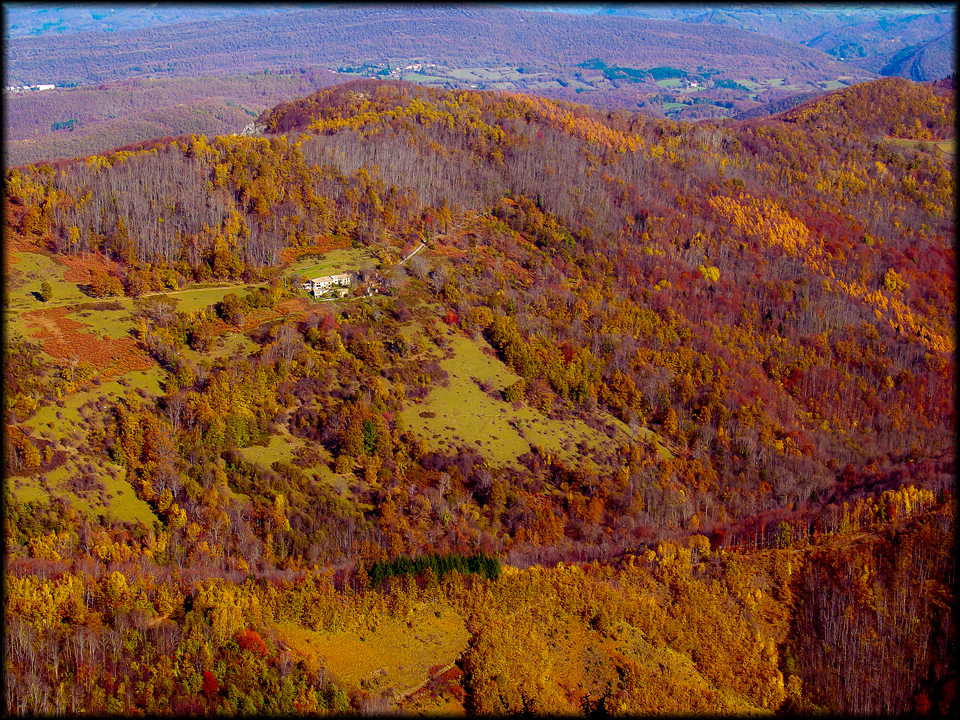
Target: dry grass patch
{"type": "Point", "coordinates": [396, 655]}
{"type": "Point", "coordinates": [104, 491]}
{"type": "Point", "coordinates": [281, 447]}
{"type": "Point", "coordinates": [79, 267]}
{"type": "Point", "coordinates": [296, 306]}
{"type": "Point", "coordinates": [66, 339]}
{"type": "Point", "coordinates": [463, 413]}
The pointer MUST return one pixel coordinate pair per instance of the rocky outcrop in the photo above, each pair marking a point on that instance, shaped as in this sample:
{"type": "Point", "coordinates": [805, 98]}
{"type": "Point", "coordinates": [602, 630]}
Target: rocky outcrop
{"type": "Point", "coordinates": [253, 129]}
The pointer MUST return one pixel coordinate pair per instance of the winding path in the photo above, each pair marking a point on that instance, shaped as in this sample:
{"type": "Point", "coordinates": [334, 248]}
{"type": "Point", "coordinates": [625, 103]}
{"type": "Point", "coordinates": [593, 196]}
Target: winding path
{"type": "Point", "coordinates": [420, 247]}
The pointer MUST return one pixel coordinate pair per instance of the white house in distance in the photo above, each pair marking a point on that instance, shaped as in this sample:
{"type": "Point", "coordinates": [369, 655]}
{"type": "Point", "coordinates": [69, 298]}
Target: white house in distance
{"type": "Point", "coordinates": [320, 285]}
{"type": "Point", "coordinates": [27, 88]}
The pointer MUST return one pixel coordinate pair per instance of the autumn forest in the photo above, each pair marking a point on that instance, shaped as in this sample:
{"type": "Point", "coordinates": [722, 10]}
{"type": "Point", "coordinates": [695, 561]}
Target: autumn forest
{"type": "Point", "coordinates": [618, 414]}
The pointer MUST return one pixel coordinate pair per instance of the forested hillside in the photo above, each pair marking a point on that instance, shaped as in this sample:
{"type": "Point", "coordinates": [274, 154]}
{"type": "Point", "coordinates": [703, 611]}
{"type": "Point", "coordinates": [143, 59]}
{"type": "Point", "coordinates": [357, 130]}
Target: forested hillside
{"type": "Point", "coordinates": [910, 41]}
{"type": "Point", "coordinates": [132, 74]}
{"type": "Point", "coordinates": [458, 36]}
{"type": "Point", "coordinates": [73, 122]}
{"type": "Point", "coordinates": [649, 406]}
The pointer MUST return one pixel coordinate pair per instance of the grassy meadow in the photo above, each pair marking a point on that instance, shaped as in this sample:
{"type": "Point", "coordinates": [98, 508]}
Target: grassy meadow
{"type": "Point", "coordinates": [104, 491]}
{"type": "Point", "coordinates": [332, 263]}
{"type": "Point", "coordinates": [24, 275]}
{"type": "Point", "coordinates": [460, 412]}
{"type": "Point", "coordinates": [395, 655]}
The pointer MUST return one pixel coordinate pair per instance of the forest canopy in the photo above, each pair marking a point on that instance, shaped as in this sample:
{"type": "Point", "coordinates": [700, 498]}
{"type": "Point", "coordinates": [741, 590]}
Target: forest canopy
{"type": "Point", "coordinates": [705, 377]}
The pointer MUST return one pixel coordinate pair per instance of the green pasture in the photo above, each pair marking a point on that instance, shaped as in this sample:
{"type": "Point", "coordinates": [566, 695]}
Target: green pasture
{"type": "Point", "coordinates": [396, 655]}
{"type": "Point", "coordinates": [339, 482]}
{"type": "Point", "coordinates": [946, 147]}
{"type": "Point", "coordinates": [670, 82]}
{"type": "Point", "coordinates": [123, 502]}
{"type": "Point", "coordinates": [24, 278]}
{"type": "Point", "coordinates": [281, 447]}
{"type": "Point", "coordinates": [191, 299]}
{"type": "Point", "coordinates": [420, 78]}
{"type": "Point", "coordinates": [233, 341]}
{"type": "Point", "coordinates": [464, 74]}
{"type": "Point", "coordinates": [336, 261]}
{"type": "Point", "coordinates": [463, 413]}
{"type": "Point", "coordinates": [486, 74]}
{"type": "Point", "coordinates": [116, 499]}
{"type": "Point", "coordinates": [107, 323]}
{"type": "Point", "coordinates": [544, 84]}
{"type": "Point", "coordinates": [66, 423]}
{"type": "Point", "coordinates": [507, 73]}
{"type": "Point", "coordinates": [47, 424]}
{"type": "Point", "coordinates": [146, 380]}
{"type": "Point", "coordinates": [505, 76]}
{"type": "Point", "coordinates": [26, 489]}
{"type": "Point", "coordinates": [284, 447]}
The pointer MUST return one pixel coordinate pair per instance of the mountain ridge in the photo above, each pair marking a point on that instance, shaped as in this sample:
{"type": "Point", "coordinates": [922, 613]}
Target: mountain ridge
{"type": "Point", "coordinates": [272, 40]}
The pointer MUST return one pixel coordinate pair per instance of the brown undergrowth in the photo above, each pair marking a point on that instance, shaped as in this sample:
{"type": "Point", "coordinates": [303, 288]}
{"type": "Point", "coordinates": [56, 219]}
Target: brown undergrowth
{"type": "Point", "coordinates": [66, 339]}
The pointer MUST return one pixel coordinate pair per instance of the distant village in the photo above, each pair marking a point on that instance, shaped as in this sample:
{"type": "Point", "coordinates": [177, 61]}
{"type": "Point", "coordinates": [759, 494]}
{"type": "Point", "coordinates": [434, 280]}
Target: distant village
{"type": "Point", "coordinates": [27, 88]}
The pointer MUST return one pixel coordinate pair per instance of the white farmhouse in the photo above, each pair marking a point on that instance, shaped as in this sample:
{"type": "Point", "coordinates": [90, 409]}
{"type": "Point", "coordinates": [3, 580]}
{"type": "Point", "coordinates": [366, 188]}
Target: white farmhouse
{"type": "Point", "coordinates": [320, 285]}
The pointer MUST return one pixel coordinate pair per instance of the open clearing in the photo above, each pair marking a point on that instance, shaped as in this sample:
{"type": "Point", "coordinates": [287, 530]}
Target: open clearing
{"type": "Point", "coordinates": [192, 299]}
{"type": "Point", "coordinates": [24, 276]}
{"type": "Point", "coordinates": [109, 319]}
{"type": "Point", "coordinates": [946, 147]}
{"type": "Point", "coordinates": [424, 79]}
{"type": "Point", "coordinates": [280, 448]}
{"type": "Point", "coordinates": [833, 85]}
{"type": "Point", "coordinates": [106, 492]}
{"type": "Point", "coordinates": [62, 420]}
{"type": "Point", "coordinates": [332, 263]}
{"type": "Point", "coordinates": [462, 413]}
{"type": "Point", "coordinates": [69, 340]}
{"type": "Point", "coordinates": [396, 655]}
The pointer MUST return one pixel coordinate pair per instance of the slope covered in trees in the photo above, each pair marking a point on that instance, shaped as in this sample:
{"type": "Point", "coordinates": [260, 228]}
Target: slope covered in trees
{"type": "Point", "coordinates": [73, 122]}
{"type": "Point", "coordinates": [462, 36]}
{"type": "Point", "coordinates": [915, 42]}
{"type": "Point", "coordinates": [671, 69]}
{"type": "Point", "coordinates": [758, 317]}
